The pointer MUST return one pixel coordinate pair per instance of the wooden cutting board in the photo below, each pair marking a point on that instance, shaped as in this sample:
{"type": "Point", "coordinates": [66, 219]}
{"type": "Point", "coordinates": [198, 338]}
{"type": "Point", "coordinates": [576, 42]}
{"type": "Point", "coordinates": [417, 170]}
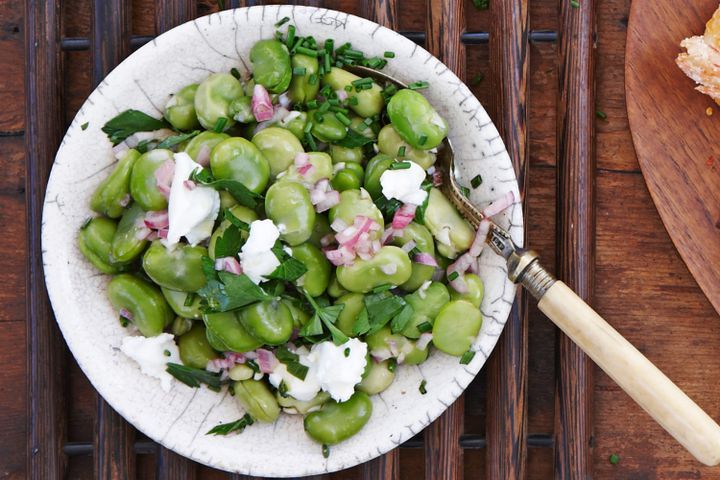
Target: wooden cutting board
{"type": "Point", "coordinates": [677, 143]}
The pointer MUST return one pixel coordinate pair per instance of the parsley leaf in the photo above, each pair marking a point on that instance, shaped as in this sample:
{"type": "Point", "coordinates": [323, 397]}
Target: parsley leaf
{"type": "Point", "coordinates": [400, 321]}
{"type": "Point", "coordinates": [290, 268]}
{"type": "Point", "coordinates": [292, 362]}
{"type": "Point", "coordinates": [174, 140]}
{"type": "Point", "coordinates": [230, 217]}
{"type": "Point", "coordinates": [327, 316]}
{"type": "Point", "coordinates": [226, 291]}
{"type": "Point", "coordinates": [362, 323]}
{"type": "Point", "coordinates": [240, 192]}
{"type": "Point", "coordinates": [381, 307]}
{"type": "Point", "coordinates": [236, 426]}
{"type": "Point", "coordinates": [353, 140]}
{"type": "Point", "coordinates": [228, 244]}
{"type": "Point", "coordinates": [193, 377]}
{"type": "Point", "coordinates": [129, 122]}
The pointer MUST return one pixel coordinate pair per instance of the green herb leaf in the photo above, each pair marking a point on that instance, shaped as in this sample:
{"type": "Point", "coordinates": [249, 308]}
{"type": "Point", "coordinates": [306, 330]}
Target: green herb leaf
{"type": "Point", "coordinates": [228, 215]}
{"type": "Point", "coordinates": [290, 268]}
{"type": "Point", "coordinates": [353, 140]}
{"type": "Point", "coordinates": [312, 328]}
{"type": "Point", "coordinates": [145, 146]}
{"type": "Point", "coordinates": [400, 321]}
{"type": "Point", "coordinates": [129, 122]}
{"type": "Point", "coordinates": [240, 192]}
{"type": "Point", "coordinates": [381, 307]}
{"type": "Point", "coordinates": [174, 140]}
{"type": "Point", "coordinates": [424, 327]}
{"type": "Point", "coordinates": [422, 388]}
{"type": "Point", "coordinates": [467, 357]}
{"type": "Point", "coordinates": [240, 290]}
{"type": "Point", "coordinates": [614, 458]}
{"type": "Point", "coordinates": [362, 323]}
{"type": "Point", "coordinates": [236, 426]}
{"type": "Point", "coordinates": [420, 211]}
{"type": "Point", "coordinates": [193, 377]}
{"type": "Point", "coordinates": [84, 126]}
{"type": "Point", "coordinates": [298, 370]}
{"type": "Point", "coordinates": [324, 315]}
{"type": "Point", "coordinates": [228, 245]}
{"type": "Point", "coordinates": [476, 181]}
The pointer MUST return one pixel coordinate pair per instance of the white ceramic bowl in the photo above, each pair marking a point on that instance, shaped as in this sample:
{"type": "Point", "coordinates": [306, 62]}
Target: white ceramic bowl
{"type": "Point", "coordinates": [179, 419]}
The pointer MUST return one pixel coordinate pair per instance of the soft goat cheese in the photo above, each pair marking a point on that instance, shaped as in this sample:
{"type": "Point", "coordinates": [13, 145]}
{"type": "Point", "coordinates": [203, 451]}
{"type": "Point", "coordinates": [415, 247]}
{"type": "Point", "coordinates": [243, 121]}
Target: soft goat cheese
{"type": "Point", "coordinates": [256, 256]}
{"type": "Point", "coordinates": [150, 354]}
{"type": "Point", "coordinates": [337, 373]}
{"type": "Point", "coordinates": [303, 390]}
{"type": "Point", "coordinates": [192, 210]}
{"type": "Point", "coordinates": [404, 184]}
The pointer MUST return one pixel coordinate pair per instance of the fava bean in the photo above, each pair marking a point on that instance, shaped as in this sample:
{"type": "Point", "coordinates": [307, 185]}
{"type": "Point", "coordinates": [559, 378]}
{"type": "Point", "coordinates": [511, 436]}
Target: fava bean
{"type": "Point", "coordinates": [294, 406]}
{"type": "Point", "coordinates": [288, 204]}
{"type": "Point", "coordinates": [320, 229]}
{"type": "Point", "coordinates": [415, 120]}
{"type": "Point", "coordinates": [177, 300]}
{"type": "Point", "coordinates": [204, 142]}
{"type": "Point", "coordinates": [241, 372]}
{"type": "Point", "coordinates": [475, 291]}
{"type": "Point", "coordinates": [113, 194]}
{"type": "Point", "coordinates": [335, 422]}
{"type": "Point", "coordinates": [407, 351]}
{"type": "Point", "coordinates": [271, 65]}
{"type": "Point", "coordinates": [180, 110]}
{"type": "Point", "coordinates": [180, 326]}
{"type": "Point", "coordinates": [177, 269]}
{"type": "Point", "coordinates": [126, 246]}
{"type": "Point", "coordinates": [456, 327]}
{"type": "Point", "coordinates": [279, 147]}
{"type": "Point", "coordinates": [390, 265]}
{"type": "Point", "coordinates": [299, 316]}
{"type": "Point", "coordinates": [334, 289]}
{"type": "Point", "coordinates": [95, 243]}
{"type": "Point", "coordinates": [354, 203]}
{"type": "Point", "coordinates": [378, 379]}
{"type": "Point", "coordinates": [344, 155]}
{"type": "Point", "coordinates": [225, 333]}
{"type": "Point", "coordinates": [322, 168]}
{"type": "Point", "coordinates": [346, 179]}
{"type": "Point", "coordinates": [327, 127]}
{"type": "Point", "coordinates": [452, 232]}
{"type": "Point", "coordinates": [426, 306]}
{"type": "Point", "coordinates": [241, 110]}
{"type": "Point", "coordinates": [296, 125]}
{"type": "Point", "coordinates": [424, 243]}
{"type": "Point", "coordinates": [270, 321]}
{"type": "Point", "coordinates": [149, 311]}
{"type": "Point", "coordinates": [353, 306]}
{"type": "Point", "coordinates": [195, 351]}
{"type": "Point", "coordinates": [214, 97]}
{"type": "Point", "coordinates": [257, 400]}
{"type": "Point", "coordinates": [226, 200]}
{"type": "Point", "coordinates": [301, 90]}
{"type": "Point", "coordinates": [390, 143]}
{"type": "Point", "coordinates": [375, 168]}
{"type": "Point", "coordinates": [317, 277]}
{"type": "Point", "coordinates": [144, 184]}
{"type": "Point", "coordinates": [369, 102]}
{"type": "Point", "coordinates": [238, 159]}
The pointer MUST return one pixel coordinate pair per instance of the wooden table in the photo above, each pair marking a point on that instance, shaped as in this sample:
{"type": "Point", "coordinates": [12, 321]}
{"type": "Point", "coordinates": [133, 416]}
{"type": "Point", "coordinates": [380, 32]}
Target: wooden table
{"type": "Point", "coordinates": [538, 407]}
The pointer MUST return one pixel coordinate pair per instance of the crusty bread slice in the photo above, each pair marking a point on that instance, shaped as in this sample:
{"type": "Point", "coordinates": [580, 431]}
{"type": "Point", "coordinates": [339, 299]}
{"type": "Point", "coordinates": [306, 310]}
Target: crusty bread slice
{"type": "Point", "coordinates": [702, 60]}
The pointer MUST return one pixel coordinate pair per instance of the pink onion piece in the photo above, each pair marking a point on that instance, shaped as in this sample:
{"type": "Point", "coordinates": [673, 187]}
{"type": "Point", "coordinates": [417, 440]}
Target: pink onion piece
{"type": "Point", "coordinates": [480, 238]}
{"type": "Point", "coordinates": [153, 236]}
{"type": "Point", "coordinates": [162, 233]}
{"type": "Point", "coordinates": [424, 341]}
{"type": "Point", "coordinates": [301, 159]}
{"type": "Point", "coordinates": [235, 357]}
{"type": "Point", "coordinates": [341, 94]}
{"type": "Point", "coordinates": [338, 225]}
{"type": "Point", "coordinates": [250, 355]}
{"type": "Point", "coordinates": [387, 234]}
{"type": "Point", "coordinates": [228, 264]}
{"type": "Point", "coordinates": [266, 360]}
{"type": "Point", "coordinates": [499, 205]}
{"type": "Point", "coordinates": [262, 107]}
{"type": "Point", "coordinates": [142, 233]}
{"type": "Point", "coordinates": [203, 156]}
{"type": "Point", "coordinates": [460, 266]}
{"type": "Point", "coordinates": [425, 259]}
{"type": "Point", "coordinates": [409, 246]}
{"type": "Point", "coordinates": [157, 219]}
{"type": "Point", "coordinates": [403, 216]}
{"type": "Point", "coordinates": [164, 176]}
{"type": "Point", "coordinates": [437, 178]}
{"type": "Point", "coordinates": [340, 256]}
{"type": "Point", "coordinates": [305, 169]}
{"type": "Point", "coordinates": [331, 199]}
{"type": "Point", "coordinates": [126, 314]}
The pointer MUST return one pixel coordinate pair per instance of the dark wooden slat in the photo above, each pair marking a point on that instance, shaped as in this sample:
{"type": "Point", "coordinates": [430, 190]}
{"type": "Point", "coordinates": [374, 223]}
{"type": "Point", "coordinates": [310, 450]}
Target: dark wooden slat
{"type": "Point", "coordinates": [507, 367]}
{"type": "Point", "coordinates": [575, 233]}
{"type": "Point", "coordinates": [111, 30]}
{"type": "Point", "coordinates": [171, 466]}
{"type": "Point", "coordinates": [445, 21]}
{"type": "Point", "coordinates": [383, 12]}
{"type": "Point", "coordinates": [46, 363]}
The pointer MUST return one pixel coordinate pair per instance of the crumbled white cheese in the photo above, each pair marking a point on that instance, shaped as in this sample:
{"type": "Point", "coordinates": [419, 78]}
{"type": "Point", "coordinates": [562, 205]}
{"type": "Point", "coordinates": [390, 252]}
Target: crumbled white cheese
{"type": "Point", "coordinates": [404, 184]}
{"type": "Point", "coordinates": [337, 373]}
{"type": "Point", "coordinates": [192, 210]}
{"type": "Point", "coordinates": [153, 354]}
{"type": "Point", "coordinates": [256, 256]}
{"type": "Point", "coordinates": [303, 390]}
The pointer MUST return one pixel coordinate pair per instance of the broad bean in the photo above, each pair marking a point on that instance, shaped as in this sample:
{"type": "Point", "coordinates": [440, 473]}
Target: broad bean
{"type": "Point", "coordinates": [299, 316]}
{"type": "Point", "coordinates": [270, 321]}
{"type": "Point", "coordinates": [143, 183]}
{"type": "Point", "coordinates": [475, 291]}
{"type": "Point", "coordinates": [390, 265]}
{"type": "Point", "coordinates": [288, 205]}
{"type": "Point", "coordinates": [390, 143]}
{"type": "Point", "coordinates": [322, 168]}
{"type": "Point", "coordinates": [301, 90]}
{"type": "Point", "coordinates": [335, 422]}
{"type": "Point", "coordinates": [113, 194]}
{"type": "Point", "coordinates": [241, 110]}
{"type": "Point", "coordinates": [320, 229]}
{"type": "Point", "coordinates": [225, 333]}
{"type": "Point", "coordinates": [238, 159]}
{"type": "Point", "coordinates": [149, 311]}
{"type": "Point", "coordinates": [257, 400]}
{"type": "Point", "coordinates": [294, 406]}
{"type": "Point", "coordinates": [126, 244]}
{"type": "Point", "coordinates": [452, 232]}
{"type": "Point", "coordinates": [426, 306]}
{"type": "Point", "coordinates": [317, 277]}
{"type": "Point", "coordinates": [334, 289]}
{"type": "Point", "coordinates": [407, 351]}
{"type": "Point", "coordinates": [344, 155]}
{"type": "Point", "coordinates": [369, 102]}
{"type": "Point", "coordinates": [177, 269]}
{"type": "Point", "coordinates": [378, 379]}
{"type": "Point", "coordinates": [415, 120]}
{"type": "Point", "coordinates": [326, 126]}
{"type": "Point", "coordinates": [195, 351]}
{"type": "Point", "coordinates": [180, 110]}
{"type": "Point", "coordinates": [296, 124]}
{"type": "Point", "coordinates": [271, 65]}
{"type": "Point", "coordinates": [180, 326]}
{"type": "Point", "coordinates": [214, 97]}
{"type": "Point", "coordinates": [177, 300]}
{"type": "Point", "coordinates": [456, 327]}
{"type": "Point", "coordinates": [347, 178]}
{"type": "Point", "coordinates": [95, 243]}
{"type": "Point", "coordinates": [204, 142]}
{"type": "Point", "coordinates": [424, 243]}
{"type": "Point", "coordinates": [279, 147]}
{"type": "Point", "coordinates": [375, 168]}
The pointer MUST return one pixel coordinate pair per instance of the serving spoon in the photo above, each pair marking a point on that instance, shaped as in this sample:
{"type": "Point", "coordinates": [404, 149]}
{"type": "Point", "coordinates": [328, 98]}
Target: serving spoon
{"type": "Point", "coordinates": [624, 363]}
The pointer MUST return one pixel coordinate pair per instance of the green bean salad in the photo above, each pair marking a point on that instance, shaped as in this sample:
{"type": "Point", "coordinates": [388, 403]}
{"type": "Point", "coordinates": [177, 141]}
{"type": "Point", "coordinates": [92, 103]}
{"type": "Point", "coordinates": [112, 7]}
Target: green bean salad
{"type": "Point", "coordinates": [280, 231]}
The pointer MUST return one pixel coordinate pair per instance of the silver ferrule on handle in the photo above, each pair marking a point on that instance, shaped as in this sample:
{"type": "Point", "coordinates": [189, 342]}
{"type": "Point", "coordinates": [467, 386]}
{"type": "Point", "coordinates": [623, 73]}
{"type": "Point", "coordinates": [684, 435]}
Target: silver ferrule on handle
{"type": "Point", "coordinates": [523, 265]}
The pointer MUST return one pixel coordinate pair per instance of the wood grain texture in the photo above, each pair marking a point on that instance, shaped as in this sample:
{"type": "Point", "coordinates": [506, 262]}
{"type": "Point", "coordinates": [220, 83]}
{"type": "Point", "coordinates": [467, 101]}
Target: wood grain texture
{"type": "Point", "coordinates": [682, 175]}
{"type": "Point", "coordinates": [507, 367]}
{"type": "Point", "coordinates": [113, 453]}
{"type": "Point", "coordinates": [445, 22]}
{"type": "Point", "coordinates": [43, 71]}
{"type": "Point", "coordinates": [576, 232]}
{"type": "Point", "coordinates": [111, 30]}
{"type": "Point", "coordinates": [171, 466]}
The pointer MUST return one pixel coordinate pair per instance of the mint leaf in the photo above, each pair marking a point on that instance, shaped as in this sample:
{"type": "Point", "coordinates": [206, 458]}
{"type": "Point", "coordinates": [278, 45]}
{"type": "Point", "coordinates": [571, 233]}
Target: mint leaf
{"type": "Point", "coordinates": [129, 122]}
{"type": "Point", "coordinates": [362, 323]}
{"type": "Point", "coordinates": [381, 307]}
{"type": "Point", "coordinates": [290, 269]}
{"type": "Point", "coordinates": [226, 291]}
{"type": "Point", "coordinates": [193, 377]}
{"type": "Point", "coordinates": [228, 244]}
{"type": "Point", "coordinates": [353, 140]}
{"type": "Point", "coordinates": [327, 316]}
{"type": "Point", "coordinates": [400, 321]}
{"type": "Point", "coordinates": [236, 426]}
{"type": "Point", "coordinates": [228, 215]}
{"type": "Point", "coordinates": [240, 192]}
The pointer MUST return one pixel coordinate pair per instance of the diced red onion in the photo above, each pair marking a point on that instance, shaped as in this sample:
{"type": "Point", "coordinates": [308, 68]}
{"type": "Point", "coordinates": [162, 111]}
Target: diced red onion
{"type": "Point", "coordinates": [392, 346]}
{"type": "Point", "coordinates": [142, 233]}
{"type": "Point", "coordinates": [250, 355]}
{"type": "Point", "coordinates": [385, 237]}
{"type": "Point", "coordinates": [425, 259]}
{"type": "Point", "coordinates": [480, 237]}
{"type": "Point", "coordinates": [164, 177]}
{"type": "Point", "coordinates": [127, 314]}
{"type": "Point", "coordinates": [125, 201]}
{"type": "Point", "coordinates": [235, 357]}
{"type": "Point", "coordinates": [437, 178]}
{"type": "Point", "coordinates": [189, 184]}
{"type": "Point", "coordinates": [341, 94]}
{"type": "Point", "coordinates": [376, 245]}
{"type": "Point", "coordinates": [331, 199]}
{"type": "Point", "coordinates": [203, 156]}
{"type": "Point", "coordinates": [304, 169]}
{"type": "Point", "coordinates": [423, 341]}
{"type": "Point", "coordinates": [499, 205]}
{"type": "Point", "coordinates": [460, 266]}
{"type": "Point", "coordinates": [389, 268]}
{"type": "Point", "coordinates": [266, 360]}
{"type": "Point", "coordinates": [409, 246]}
{"type": "Point", "coordinates": [154, 235]}
{"type": "Point", "coordinates": [338, 225]}
{"type": "Point", "coordinates": [162, 233]}
{"type": "Point", "coordinates": [157, 219]}
{"type": "Point", "coordinates": [327, 240]}
{"type": "Point", "coordinates": [340, 256]}
{"type": "Point", "coordinates": [284, 100]}
{"type": "Point", "coordinates": [262, 107]}
{"type": "Point", "coordinates": [301, 159]}
{"type": "Point", "coordinates": [403, 216]}
{"type": "Point", "coordinates": [431, 170]}
{"type": "Point", "coordinates": [228, 264]}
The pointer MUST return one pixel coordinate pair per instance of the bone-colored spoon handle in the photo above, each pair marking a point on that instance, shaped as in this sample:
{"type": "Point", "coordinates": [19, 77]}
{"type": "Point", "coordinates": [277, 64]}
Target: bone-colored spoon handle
{"type": "Point", "coordinates": [642, 380]}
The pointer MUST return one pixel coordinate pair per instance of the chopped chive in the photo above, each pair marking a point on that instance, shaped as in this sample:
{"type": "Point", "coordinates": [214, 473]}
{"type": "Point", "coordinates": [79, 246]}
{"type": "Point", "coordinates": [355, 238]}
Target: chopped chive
{"type": "Point", "coordinates": [321, 69]}
{"type": "Point", "coordinates": [418, 85]}
{"type": "Point", "coordinates": [399, 166]}
{"type": "Point", "coordinates": [353, 100]}
{"type": "Point", "coordinates": [350, 53]}
{"type": "Point", "coordinates": [453, 276]}
{"type": "Point", "coordinates": [614, 458]}
{"type": "Point", "coordinates": [166, 353]}
{"type": "Point", "coordinates": [220, 124]}
{"type": "Point", "coordinates": [368, 121]}
{"type": "Point", "coordinates": [348, 88]}
{"type": "Point", "coordinates": [343, 48]}
{"type": "Point", "coordinates": [308, 127]}
{"type": "Point", "coordinates": [361, 82]}
{"type": "Point", "coordinates": [313, 79]}
{"type": "Point", "coordinates": [390, 90]}
{"type": "Point", "coordinates": [467, 356]}
{"type": "Point", "coordinates": [392, 364]}
{"type": "Point", "coordinates": [382, 288]}
{"type": "Point", "coordinates": [253, 365]}
{"type": "Point", "coordinates": [424, 327]}
{"type": "Point", "coordinates": [84, 126]}
{"type": "Point", "coordinates": [376, 63]}
{"type": "Point", "coordinates": [481, 4]}
{"type": "Point", "coordinates": [342, 110]}
{"type": "Point", "coordinates": [311, 142]}
{"type": "Point", "coordinates": [601, 114]}
{"type": "Point", "coordinates": [347, 352]}
{"type": "Point", "coordinates": [307, 51]}
{"type": "Point", "coordinates": [283, 389]}
{"type": "Point", "coordinates": [290, 43]}
{"type": "Point", "coordinates": [334, 102]}
{"type": "Point", "coordinates": [575, 3]}
{"type": "Point", "coordinates": [422, 140]}
{"type": "Point", "coordinates": [401, 151]}
{"type": "Point", "coordinates": [477, 79]}
{"type": "Point", "coordinates": [415, 251]}
{"type": "Point", "coordinates": [235, 73]}
{"type": "Point", "coordinates": [389, 54]}
{"type": "Point", "coordinates": [476, 181]}
{"type": "Point", "coordinates": [343, 118]}
{"type": "Point", "coordinates": [329, 45]}
{"type": "Point", "coordinates": [422, 388]}
{"type": "Point", "coordinates": [124, 322]}
{"type": "Point", "coordinates": [465, 191]}
{"type": "Point", "coordinates": [324, 107]}
{"type": "Point", "coordinates": [279, 36]}
{"type": "Point", "coordinates": [189, 299]}
{"type": "Point", "coordinates": [282, 22]}
{"type": "Point", "coordinates": [318, 117]}
{"type": "Point", "coordinates": [325, 451]}
{"type": "Point", "coordinates": [312, 104]}
{"type": "Point", "coordinates": [328, 62]}
{"type": "Point", "coordinates": [298, 71]}
{"type": "Point", "coordinates": [362, 126]}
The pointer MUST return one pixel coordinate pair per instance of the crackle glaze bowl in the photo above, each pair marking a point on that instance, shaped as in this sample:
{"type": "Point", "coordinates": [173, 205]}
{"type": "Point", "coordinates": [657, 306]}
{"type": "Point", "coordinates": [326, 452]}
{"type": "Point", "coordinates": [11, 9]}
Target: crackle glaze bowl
{"type": "Point", "coordinates": [180, 418]}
